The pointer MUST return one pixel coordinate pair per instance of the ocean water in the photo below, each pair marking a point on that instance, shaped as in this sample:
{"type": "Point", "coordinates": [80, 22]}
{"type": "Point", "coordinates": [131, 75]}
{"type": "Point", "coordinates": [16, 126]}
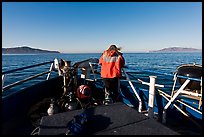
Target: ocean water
{"type": "Point", "coordinates": [141, 65]}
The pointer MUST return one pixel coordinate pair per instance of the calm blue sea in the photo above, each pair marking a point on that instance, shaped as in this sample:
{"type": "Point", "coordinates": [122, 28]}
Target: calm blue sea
{"type": "Point", "coordinates": [163, 65]}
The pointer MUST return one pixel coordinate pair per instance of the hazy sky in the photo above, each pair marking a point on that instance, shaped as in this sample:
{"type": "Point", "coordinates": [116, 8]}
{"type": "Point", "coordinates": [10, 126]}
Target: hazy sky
{"type": "Point", "coordinates": [92, 26]}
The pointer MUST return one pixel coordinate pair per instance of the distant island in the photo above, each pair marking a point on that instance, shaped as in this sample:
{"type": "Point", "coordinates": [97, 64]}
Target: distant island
{"type": "Point", "coordinates": [25, 50]}
{"type": "Point", "coordinates": [177, 49]}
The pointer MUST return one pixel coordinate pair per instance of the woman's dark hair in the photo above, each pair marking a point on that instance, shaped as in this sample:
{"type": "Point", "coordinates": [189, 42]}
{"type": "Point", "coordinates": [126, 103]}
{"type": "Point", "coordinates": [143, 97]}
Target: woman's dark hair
{"type": "Point", "coordinates": [113, 47]}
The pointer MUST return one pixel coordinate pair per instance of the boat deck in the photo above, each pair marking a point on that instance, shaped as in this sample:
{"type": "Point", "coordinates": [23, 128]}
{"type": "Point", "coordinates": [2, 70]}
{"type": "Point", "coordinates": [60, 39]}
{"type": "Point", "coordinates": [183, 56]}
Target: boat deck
{"type": "Point", "coordinates": [114, 119]}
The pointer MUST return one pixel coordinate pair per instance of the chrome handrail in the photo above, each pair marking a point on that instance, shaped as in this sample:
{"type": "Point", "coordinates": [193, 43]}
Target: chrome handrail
{"type": "Point", "coordinates": [22, 81]}
{"type": "Point", "coordinates": [36, 65]}
{"type": "Point", "coordinates": [4, 88]}
{"type": "Point", "coordinates": [134, 90]}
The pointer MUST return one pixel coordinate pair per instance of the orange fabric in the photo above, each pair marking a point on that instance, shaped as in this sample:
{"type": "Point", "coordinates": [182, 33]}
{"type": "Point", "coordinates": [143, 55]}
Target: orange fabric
{"type": "Point", "coordinates": [111, 64]}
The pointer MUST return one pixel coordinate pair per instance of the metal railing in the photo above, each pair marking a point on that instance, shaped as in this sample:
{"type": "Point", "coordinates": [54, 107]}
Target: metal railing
{"type": "Point", "coordinates": [134, 90]}
{"type": "Point", "coordinates": [4, 75]}
{"type": "Point", "coordinates": [171, 98]}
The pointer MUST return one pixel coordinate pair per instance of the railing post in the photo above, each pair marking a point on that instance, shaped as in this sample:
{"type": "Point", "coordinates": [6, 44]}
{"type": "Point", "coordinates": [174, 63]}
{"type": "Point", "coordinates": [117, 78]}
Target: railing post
{"type": "Point", "coordinates": [174, 79]}
{"type": "Point", "coordinates": [56, 65]}
{"type": "Point", "coordinates": [151, 96]}
{"type": "Point", "coordinates": [200, 101]}
{"type": "Point", "coordinates": [3, 80]}
{"type": "Point", "coordinates": [134, 90]}
{"type": "Point", "coordinates": [152, 86]}
{"type": "Point", "coordinates": [48, 76]}
{"type": "Point", "coordinates": [92, 69]}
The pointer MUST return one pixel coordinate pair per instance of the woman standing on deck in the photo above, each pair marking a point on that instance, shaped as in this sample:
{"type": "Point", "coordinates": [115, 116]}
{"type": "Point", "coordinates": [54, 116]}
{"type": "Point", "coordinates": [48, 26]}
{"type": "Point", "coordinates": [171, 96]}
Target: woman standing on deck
{"type": "Point", "coordinates": [111, 63]}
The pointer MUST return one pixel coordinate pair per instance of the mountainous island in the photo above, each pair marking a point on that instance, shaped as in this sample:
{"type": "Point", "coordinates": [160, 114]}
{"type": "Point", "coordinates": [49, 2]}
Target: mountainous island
{"type": "Point", "coordinates": [25, 50]}
{"type": "Point", "coordinates": [177, 49]}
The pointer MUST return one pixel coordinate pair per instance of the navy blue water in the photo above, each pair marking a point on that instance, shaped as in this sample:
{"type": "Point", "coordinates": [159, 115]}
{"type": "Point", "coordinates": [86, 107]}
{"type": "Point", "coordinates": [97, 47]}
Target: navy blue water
{"type": "Point", "coordinates": [142, 64]}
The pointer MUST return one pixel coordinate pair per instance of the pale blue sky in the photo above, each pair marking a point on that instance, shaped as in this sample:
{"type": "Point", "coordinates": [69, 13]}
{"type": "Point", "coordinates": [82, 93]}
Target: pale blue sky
{"type": "Point", "coordinates": [92, 26]}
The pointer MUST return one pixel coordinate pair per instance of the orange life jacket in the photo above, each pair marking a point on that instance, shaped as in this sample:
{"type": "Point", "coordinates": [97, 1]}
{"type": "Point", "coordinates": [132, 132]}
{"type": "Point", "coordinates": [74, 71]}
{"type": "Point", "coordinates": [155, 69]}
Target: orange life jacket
{"type": "Point", "coordinates": [111, 64]}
